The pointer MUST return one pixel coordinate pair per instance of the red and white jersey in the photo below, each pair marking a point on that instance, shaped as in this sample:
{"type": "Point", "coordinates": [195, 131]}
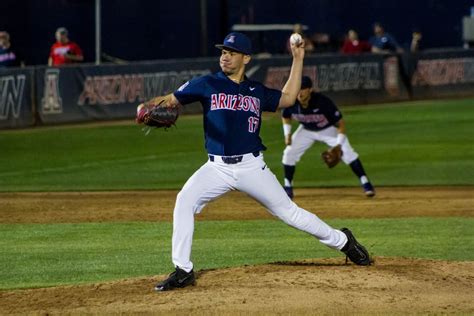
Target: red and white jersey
{"type": "Point", "coordinates": [59, 50]}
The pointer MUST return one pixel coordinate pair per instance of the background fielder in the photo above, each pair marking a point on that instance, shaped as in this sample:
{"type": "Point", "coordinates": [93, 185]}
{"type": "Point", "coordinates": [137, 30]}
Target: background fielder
{"type": "Point", "coordinates": [320, 121]}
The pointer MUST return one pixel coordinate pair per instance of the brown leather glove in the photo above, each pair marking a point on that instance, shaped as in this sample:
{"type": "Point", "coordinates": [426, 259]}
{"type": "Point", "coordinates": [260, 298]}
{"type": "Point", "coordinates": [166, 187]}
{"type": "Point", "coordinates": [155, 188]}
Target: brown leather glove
{"type": "Point", "coordinates": [332, 156]}
{"type": "Point", "coordinates": [157, 115]}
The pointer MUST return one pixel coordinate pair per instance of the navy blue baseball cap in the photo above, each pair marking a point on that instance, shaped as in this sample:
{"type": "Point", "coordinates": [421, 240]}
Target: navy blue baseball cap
{"type": "Point", "coordinates": [306, 82]}
{"type": "Point", "coordinates": [237, 42]}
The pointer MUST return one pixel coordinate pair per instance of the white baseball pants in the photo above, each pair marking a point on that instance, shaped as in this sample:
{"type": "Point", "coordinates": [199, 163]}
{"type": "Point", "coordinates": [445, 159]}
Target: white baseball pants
{"type": "Point", "coordinates": [303, 139]}
{"type": "Point", "coordinates": [253, 177]}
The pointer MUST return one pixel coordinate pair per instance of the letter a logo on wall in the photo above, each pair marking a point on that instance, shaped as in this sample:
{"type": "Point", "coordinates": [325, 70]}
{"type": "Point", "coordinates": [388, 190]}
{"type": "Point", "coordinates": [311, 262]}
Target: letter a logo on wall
{"type": "Point", "coordinates": [51, 103]}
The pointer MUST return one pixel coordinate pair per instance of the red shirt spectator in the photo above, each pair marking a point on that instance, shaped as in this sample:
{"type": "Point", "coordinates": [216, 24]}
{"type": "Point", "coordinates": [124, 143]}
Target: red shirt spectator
{"type": "Point", "coordinates": [64, 51]}
{"type": "Point", "coordinates": [352, 44]}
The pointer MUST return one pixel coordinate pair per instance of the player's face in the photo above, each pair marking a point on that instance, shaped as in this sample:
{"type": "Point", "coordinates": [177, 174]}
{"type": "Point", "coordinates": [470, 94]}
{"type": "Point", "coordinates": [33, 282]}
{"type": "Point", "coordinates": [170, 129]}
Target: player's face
{"type": "Point", "coordinates": [378, 30]}
{"type": "Point", "coordinates": [61, 37]}
{"type": "Point", "coordinates": [304, 95]}
{"type": "Point", "coordinates": [353, 35]}
{"type": "Point", "coordinates": [232, 62]}
{"type": "Point", "coordinates": [3, 39]}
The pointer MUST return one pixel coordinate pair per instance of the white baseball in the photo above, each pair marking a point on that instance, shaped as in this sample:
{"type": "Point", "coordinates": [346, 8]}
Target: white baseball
{"type": "Point", "coordinates": [296, 39]}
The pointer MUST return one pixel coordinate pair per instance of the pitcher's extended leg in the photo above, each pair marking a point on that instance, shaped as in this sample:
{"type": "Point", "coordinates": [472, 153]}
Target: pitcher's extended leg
{"type": "Point", "coordinates": [263, 186]}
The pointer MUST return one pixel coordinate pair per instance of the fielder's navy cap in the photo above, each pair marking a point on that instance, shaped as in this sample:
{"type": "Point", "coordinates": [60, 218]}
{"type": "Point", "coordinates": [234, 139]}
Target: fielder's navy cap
{"type": "Point", "coordinates": [237, 42]}
{"type": "Point", "coordinates": [306, 82]}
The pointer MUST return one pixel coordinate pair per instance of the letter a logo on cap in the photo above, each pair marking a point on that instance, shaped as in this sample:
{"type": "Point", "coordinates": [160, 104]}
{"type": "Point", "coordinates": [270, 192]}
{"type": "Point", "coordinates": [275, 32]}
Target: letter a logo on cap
{"type": "Point", "coordinates": [231, 39]}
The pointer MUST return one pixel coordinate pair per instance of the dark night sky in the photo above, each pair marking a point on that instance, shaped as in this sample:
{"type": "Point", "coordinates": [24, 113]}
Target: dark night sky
{"type": "Point", "coordinates": [144, 30]}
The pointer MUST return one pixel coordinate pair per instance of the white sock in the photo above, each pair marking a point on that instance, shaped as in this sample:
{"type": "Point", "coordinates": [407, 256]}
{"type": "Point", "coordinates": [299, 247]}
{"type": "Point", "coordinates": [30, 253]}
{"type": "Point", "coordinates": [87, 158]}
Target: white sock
{"type": "Point", "coordinates": [288, 183]}
{"type": "Point", "coordinates": [364, 180]}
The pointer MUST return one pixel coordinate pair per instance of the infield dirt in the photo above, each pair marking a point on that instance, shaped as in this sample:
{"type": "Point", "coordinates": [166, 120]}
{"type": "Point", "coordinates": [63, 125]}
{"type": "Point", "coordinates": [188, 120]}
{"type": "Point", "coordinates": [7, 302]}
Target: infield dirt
{"type": "Point", "coordinates": [317, 286]}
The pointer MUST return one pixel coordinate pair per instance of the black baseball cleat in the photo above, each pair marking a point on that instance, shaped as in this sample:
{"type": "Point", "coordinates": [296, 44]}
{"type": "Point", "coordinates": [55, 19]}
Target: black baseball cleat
{"type": "Point", "coordinates": [355, 251]}
{"type": "Point", "coordinates": [368, 189]}
{"type": "Point", "coordinates": [177, 279]}
{"type": "Point", "coordinates": [289, 191]}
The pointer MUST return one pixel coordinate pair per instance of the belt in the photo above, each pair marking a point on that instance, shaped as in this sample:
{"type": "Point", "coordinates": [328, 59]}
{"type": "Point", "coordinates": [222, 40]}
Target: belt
{"type": "Point", "coordinates": [231, 160]}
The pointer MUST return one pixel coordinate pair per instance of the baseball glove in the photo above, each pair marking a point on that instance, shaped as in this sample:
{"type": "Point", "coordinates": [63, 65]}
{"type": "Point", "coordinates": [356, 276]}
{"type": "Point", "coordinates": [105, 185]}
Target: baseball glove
{"type": "Point", "coordinates": [158, 116]}
{"type": "Point", "coordinates": [332, 156]}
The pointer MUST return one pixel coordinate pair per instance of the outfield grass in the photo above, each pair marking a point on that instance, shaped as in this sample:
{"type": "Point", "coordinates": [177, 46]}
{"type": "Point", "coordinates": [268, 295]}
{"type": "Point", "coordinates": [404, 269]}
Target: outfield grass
{"type": "Point", "coordinates": [36, 255]}
{"type": "Point", "coordinates": [412, 143]}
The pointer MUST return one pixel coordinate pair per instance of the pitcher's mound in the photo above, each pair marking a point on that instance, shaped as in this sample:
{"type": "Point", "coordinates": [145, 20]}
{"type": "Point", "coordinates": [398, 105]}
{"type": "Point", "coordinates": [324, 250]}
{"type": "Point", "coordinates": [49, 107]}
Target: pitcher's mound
{"type": "Point", "coordinates": [318, 286]}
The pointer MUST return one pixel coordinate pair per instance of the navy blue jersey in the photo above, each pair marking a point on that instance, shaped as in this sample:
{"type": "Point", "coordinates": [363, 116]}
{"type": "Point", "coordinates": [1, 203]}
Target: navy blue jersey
{"type": "Point", "coordinates": [232, 112]}
{"type": "Point", "coordinates": [8, 58]}
{"type": "Point", "coordinates": [320, 113]}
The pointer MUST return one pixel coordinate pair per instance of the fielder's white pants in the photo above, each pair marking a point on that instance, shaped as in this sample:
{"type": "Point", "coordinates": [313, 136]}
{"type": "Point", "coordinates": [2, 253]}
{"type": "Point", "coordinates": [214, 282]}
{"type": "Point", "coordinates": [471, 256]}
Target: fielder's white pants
{"type": "Point", "coordinates": [303, 139]}
{"type": "Point", "coordinates": [253, 177]}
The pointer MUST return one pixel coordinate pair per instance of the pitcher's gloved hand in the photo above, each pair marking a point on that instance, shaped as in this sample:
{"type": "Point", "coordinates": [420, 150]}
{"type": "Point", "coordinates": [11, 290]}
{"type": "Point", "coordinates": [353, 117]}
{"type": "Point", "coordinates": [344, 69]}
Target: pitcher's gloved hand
{"type": "Point", "coordinates": [157, 115]}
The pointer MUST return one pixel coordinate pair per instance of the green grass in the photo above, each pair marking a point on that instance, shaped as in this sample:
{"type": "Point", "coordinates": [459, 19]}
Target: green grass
{"type": "Point", "coordinates": [34, 255]}
{"type": "Point", "coordinates": [412, 143]}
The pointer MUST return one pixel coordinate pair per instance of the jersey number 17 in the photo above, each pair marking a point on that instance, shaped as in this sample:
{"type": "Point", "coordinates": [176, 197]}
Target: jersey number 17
{"type": "Point", "coordinates": [253, 124]}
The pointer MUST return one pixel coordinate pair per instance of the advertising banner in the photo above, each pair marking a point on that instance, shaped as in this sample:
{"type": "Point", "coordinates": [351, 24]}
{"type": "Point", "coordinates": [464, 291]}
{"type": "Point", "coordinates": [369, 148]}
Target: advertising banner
{"type": "Point", "coordinates": [87, 93]}
{"type": "Point", "coordinates": [81, 93]}
{"type": "Point", "coordinates": [443, 74]}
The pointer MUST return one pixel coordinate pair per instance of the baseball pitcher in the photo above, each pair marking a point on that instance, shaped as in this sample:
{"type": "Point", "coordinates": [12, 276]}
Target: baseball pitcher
{"type": "Point", "coordinates": [232, 117]}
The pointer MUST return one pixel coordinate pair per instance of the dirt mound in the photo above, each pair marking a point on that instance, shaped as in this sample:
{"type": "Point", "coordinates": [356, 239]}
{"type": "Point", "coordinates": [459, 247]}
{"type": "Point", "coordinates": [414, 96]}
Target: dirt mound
{"type": "Point", "coordinates": [320, 286]}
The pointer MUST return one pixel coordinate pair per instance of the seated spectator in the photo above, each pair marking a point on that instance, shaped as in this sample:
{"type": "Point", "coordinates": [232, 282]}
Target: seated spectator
{"type": "Point", "coordinates": [383, 42]}
{"type": "Point", "coordinates": [8, 58]}
{"type": "Point", "coordinates": [64, 51]}
{"type": "Point", "coordinates": [415, 45]}
{"type": "Point", "coordinates": [352, 44]}
{"type": "Point", "coordinates": [308, 44]}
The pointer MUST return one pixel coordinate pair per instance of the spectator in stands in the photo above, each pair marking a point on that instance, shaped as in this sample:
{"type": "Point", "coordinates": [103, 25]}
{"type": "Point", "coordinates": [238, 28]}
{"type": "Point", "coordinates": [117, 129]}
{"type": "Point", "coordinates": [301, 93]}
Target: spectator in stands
{"type": "Point", "coordinates": [383, 42]}
{"type": "Point", "coordinates": [64, 51]}
{"type": "Point", "coordinates": [308, 44]}
{"type": "Point", "coordinates": [352, 44]}
{"type": "Point", "coordinates": [415, 45]}
{"type": "Point", "coordinates": [8, 58]}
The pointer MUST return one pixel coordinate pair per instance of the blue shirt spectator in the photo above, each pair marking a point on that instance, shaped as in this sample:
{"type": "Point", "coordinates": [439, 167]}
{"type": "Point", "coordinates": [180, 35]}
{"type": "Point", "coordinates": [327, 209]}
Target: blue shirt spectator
{"type": "Point", "coordinates": [383, 42]}
{"type": "Point", "coordinates": [7, 58]}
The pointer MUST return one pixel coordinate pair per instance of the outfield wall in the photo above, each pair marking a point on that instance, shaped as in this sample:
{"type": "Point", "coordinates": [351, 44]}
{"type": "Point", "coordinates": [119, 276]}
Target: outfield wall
{"type": "Point", "coordinates": [44, 95]}
{"type": "Point", "coordinates": [17, 101]}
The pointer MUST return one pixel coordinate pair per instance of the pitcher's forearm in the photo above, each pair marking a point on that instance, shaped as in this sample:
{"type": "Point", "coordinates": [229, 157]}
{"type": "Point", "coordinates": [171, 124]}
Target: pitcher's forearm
{"type": "Point", "coordinates": [293, 85]}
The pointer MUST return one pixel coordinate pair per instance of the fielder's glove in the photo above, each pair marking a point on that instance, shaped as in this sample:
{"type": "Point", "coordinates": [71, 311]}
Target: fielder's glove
{"type": "Point", "coordinates": [332, 156]}
{"type": "Point", "coordinates": [157, 115]}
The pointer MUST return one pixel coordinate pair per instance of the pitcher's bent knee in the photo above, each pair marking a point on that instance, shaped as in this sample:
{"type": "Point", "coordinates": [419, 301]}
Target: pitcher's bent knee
{"type": "Point", "coordinates": [188, 201]}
